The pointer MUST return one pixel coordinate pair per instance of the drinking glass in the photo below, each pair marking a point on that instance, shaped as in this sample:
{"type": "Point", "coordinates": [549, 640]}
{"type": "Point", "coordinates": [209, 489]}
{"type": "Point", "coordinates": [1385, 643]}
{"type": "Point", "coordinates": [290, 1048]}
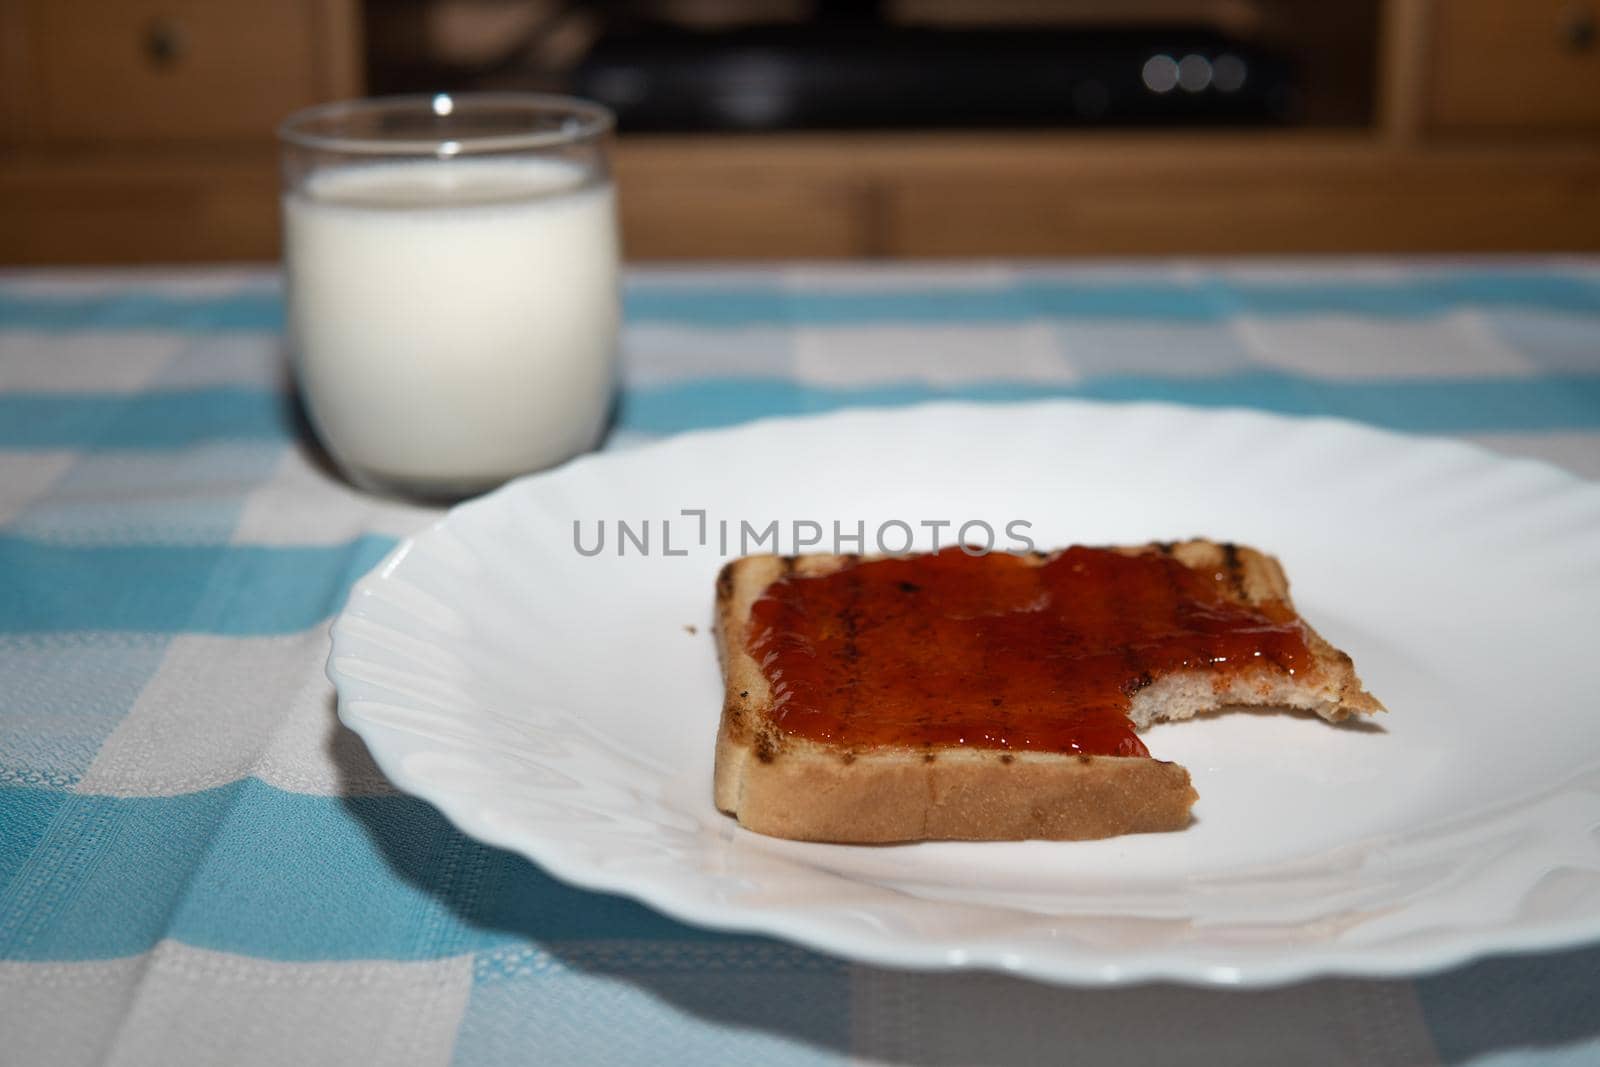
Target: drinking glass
{"type": "Point", "coordinates": [450, 266]}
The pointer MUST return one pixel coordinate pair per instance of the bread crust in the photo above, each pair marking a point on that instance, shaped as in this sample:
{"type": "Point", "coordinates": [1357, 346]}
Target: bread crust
{"type": "Point", "coordinates": [787, 786]}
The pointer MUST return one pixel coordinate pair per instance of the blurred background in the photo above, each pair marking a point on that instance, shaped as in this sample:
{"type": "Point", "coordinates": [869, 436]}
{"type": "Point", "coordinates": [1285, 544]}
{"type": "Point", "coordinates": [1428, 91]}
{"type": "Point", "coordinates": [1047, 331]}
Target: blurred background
{"type": "Point", "coordinates": [142, 130]}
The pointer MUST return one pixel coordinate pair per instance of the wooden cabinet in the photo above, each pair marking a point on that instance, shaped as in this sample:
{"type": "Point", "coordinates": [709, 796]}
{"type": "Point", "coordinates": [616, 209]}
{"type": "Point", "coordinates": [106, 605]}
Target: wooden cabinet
{"type": "Point", "coordinates": [1044, 194]}
{"type": "Point", "coordinates": [1531, 66]}
{"type": "Point", "coordinates": [134, 130]}
{"type": "Point", "coordinates": [122, 72]}
{"type": "Point", "coordinates": [666, 209]}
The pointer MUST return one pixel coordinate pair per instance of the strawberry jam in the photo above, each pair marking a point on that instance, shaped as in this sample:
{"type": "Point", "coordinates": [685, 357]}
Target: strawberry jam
{"type": "Point", "coordinates": [1003, 652]}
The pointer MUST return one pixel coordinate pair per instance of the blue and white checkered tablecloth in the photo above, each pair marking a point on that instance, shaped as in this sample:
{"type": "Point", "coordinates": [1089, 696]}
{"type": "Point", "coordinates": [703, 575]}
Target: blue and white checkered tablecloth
{"type": "Point", "coordinates": [197, 865]}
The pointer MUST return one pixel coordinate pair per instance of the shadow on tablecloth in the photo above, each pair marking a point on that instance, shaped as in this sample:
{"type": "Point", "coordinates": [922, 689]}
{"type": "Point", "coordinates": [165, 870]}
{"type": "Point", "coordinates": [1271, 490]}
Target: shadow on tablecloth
{"type": "Point", "coordinates": [622, 980]}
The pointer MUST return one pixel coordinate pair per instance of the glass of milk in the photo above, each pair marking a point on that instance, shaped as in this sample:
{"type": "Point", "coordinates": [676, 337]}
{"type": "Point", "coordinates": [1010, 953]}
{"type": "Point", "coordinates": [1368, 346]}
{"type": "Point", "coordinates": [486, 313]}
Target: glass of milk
{"type": "Point", "coordinates": [451, 272]}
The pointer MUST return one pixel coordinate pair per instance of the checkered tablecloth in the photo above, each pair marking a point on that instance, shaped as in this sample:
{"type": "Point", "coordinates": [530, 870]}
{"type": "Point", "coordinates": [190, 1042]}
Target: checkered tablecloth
{"type": "Point", "coordinates": [197, 865]}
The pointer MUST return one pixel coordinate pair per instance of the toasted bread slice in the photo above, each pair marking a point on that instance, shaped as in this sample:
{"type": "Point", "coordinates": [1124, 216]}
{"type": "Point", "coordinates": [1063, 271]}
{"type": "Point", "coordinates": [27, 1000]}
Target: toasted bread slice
{"type": "Point", "coordinates": [789, 786]}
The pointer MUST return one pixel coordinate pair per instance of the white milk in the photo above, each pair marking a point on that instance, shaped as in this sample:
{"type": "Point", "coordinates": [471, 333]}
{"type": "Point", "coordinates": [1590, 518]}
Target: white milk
{"type": "Point", "coordinates": [453, 323]}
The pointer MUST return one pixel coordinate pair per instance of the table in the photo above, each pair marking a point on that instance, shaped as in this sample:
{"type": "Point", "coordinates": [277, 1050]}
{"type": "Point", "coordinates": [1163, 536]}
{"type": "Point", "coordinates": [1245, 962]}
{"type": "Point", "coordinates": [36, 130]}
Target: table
{"type": "Point", "coordinates": [198, 865]}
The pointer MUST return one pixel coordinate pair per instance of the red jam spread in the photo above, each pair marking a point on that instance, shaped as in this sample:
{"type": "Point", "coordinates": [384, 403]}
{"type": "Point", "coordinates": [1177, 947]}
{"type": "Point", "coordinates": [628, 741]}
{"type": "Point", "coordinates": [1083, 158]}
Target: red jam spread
{"type": "Point", "coordinates": [999, 651]}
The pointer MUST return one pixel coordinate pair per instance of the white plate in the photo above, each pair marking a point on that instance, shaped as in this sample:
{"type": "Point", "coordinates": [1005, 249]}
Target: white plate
{"type": "Point", "coordinates": [559, 706]}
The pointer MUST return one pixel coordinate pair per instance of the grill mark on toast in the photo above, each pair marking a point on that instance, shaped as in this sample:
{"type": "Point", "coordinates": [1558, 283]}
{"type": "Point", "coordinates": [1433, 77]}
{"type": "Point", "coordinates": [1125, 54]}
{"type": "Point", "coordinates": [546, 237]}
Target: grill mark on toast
{"type": "Point", "coordinates": [850, 620]}
{"type": "Point", "coordinates": [1138, 677]}
{"type": "Point", "coordinates": [1235, 568]}
{"type": "Point", "coordinates": [725, 582]}
{"type": "Point", "coordinates": [1178, 595]}
{"type": "Point", "coordinates": [767, 744]}
{"type": "Point", "coordinates": [766, 747]}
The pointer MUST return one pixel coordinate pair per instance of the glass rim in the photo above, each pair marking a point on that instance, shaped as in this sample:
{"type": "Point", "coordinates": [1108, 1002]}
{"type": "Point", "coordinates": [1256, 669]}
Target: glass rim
{"type": "Point", "coordinates": [594, 120]}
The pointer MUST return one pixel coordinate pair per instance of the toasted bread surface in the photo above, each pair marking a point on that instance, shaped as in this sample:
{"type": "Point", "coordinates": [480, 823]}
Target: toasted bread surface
{"type": "Point", "coordinates": [789, 786]}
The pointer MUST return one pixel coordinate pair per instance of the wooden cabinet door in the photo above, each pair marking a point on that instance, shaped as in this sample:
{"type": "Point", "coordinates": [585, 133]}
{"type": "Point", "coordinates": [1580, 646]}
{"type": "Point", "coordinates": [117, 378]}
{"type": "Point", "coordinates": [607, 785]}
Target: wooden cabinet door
{"type": "Point", "coordinates": [1515, 65]}
{"type": "Point", "coordinates": [122, 71]}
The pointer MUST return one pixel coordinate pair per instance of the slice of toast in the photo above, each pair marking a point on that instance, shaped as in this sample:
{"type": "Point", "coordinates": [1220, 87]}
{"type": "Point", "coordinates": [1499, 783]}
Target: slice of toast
{"type": "Point", "coordinates": [786, 785]}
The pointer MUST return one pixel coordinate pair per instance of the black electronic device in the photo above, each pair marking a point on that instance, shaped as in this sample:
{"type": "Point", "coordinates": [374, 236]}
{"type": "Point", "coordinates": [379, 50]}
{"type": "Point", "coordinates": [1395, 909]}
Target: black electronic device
{"type": "Point", "coordinates": [868, 74]}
